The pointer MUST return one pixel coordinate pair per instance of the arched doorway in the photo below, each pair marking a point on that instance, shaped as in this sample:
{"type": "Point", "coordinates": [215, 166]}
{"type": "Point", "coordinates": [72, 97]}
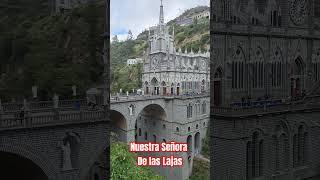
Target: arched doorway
{"type": "Point", "coordinates": [15, 167]}
{"type": "Point", "coordinates": [178, 89]}
{"type": "Point", "coordinates": [197, 143]}
{"type": "Point", "coordinates": [297, 77]}
{"type": "Point", "coordinates": [155, 84]}
{"type": "Point", "coordinates": [172, 89]}
{"type": "Point", "coordinates": [189, 143]}
{"type": "Point", "coordinates": [217, 87]}
{"type": "Point", "coordinates": [146, 84]}
{"type": "Point", "coordinates": [118, 126]}
{"type": "Point", "coordinates": [164, 88]}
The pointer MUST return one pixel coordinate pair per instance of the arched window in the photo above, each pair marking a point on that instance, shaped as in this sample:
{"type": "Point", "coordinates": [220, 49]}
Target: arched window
{"type": "Point", "coordinates": [189, 144]}
{"type": "Point", "coordinates": [189, 111]}
{"type": "Point", "coordinates": [237, 69]}
{"type": "Point", "coordinates": [279, 17]}
{"type": "Point", "coordinates": [300, 147]}
{"type": "Point", "coordinates": [275, 18]}
{"type": "Point", "coordinates": [276, 152]}
{"type": "Point", "coordinates": [204, 108]}
{"type": "Point", "coordinates": [146, 87]}
{"type": "Point", "coordinates": [249, 160]}
{"type": "Point", "coordinates": [255, 156]}
{"type": "Point", "coordinates": [197, 142]}
{"type": "Point", "coordinates": [316, 65]}
{"type": "Point", "coordinates": [256, 75]}
{"type": "Point", "coordinates": [177, 129]}
{"type": "Point", "coordinates": [155, 84]}
{"type": "Point", "coordinates": [277, 69]}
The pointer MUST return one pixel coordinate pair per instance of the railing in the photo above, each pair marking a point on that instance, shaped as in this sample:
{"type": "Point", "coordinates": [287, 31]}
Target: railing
{"type": "Point", "coordinates": [43, 106]}
{"type": "Point", "coordinates": [114, 99]}
{"type": "Point", "coordinates": [50, 118]}
{"type": "Point", "coordinates": [242, 112]}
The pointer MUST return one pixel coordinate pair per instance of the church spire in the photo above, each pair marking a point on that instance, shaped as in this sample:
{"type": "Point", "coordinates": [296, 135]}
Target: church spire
{"type": "Point", "coordinates": [161, 18]}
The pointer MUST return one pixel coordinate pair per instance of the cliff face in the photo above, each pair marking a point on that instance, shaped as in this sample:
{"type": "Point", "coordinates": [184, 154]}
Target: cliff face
{"type": "Point", "coordinates": [52, 52]}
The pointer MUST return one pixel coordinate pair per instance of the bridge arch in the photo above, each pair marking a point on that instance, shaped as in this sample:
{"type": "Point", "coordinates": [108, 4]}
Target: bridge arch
{"type": "Point", "coordinates": [119, 125]}
{"type": "Point", "coordinates": [37, 164]}
{"type": "Point", "coordinates": [150, 120]}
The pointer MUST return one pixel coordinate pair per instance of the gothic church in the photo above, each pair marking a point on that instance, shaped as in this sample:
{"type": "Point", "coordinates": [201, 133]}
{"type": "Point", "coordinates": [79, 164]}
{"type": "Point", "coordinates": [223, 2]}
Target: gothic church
{"type": "Point", "coordinates": [265, 119]}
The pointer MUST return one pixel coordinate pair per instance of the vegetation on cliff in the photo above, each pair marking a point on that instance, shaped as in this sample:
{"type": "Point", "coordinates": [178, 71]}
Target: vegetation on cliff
{"type": "Point", "coordinates": [51, 52]}
{"type": "Point", "coordinates": [123, 165]}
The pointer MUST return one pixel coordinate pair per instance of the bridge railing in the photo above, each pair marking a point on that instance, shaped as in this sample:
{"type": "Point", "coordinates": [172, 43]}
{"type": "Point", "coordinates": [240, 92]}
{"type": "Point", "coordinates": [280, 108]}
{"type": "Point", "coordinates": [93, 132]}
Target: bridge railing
{"type": "Point", "coordinates": [147, 97]}
{"type": "Point", "coordinates": [51, 118]}
{"type": "Point", "coordinates": [42, 106]}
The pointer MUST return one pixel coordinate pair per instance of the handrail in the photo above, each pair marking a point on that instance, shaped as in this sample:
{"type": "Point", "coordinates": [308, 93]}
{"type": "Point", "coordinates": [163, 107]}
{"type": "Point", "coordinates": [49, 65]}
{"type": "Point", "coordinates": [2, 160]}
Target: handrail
{"type": "Point", "coordinates": [50, 118]}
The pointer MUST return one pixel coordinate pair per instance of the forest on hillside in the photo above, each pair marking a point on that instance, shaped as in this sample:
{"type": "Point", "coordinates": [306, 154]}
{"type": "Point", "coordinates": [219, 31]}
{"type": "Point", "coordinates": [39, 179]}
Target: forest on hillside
{"type": "Point", "coordinates": [52, 52]}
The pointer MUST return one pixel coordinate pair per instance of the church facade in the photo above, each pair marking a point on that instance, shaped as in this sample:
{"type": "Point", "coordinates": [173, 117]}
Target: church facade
{"type": "Point", "coordinates": [168, 71]}
{"type": "Point", "coordinates": [265, 55]}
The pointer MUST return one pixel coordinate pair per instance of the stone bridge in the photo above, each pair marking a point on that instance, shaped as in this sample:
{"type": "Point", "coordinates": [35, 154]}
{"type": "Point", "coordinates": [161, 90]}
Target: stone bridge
{"type": "Point", "coordinates": [175, 108]}
{"type": "Point", "coordinates": [42, 142]}
{"type": "Point", "coordinates": [163, 119]}
{"type": "Point", "coordinates": [36, 134]}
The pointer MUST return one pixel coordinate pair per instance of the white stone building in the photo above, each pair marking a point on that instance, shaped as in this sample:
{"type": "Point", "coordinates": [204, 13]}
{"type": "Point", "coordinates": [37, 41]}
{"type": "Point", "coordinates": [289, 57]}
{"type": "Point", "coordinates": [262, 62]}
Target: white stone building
{"type": "Point", "coordinates": [167, 72]}
{"type": "Point", "coordinates": [134, 61]}
{"type": "Point", "coordinates": [203, 14]}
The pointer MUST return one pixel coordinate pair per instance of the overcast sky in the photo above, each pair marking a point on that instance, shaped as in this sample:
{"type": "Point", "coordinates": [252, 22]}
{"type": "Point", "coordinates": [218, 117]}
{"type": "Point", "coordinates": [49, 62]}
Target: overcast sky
{"type": "Point", "coordinates": [138, 15]}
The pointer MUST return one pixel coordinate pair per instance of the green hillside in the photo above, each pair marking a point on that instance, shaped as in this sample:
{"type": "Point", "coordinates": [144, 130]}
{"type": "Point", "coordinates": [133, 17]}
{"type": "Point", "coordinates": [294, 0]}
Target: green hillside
{"type": "Point", "coordinates": [52, 52]}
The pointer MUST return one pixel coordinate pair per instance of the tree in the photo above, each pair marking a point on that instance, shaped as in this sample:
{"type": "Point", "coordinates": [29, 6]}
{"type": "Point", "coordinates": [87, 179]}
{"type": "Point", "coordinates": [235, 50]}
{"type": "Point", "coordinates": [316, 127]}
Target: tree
{"type": "Point", "coordinates": [130, 36]}
{"type": "Point", "coordinates": [123, 165]}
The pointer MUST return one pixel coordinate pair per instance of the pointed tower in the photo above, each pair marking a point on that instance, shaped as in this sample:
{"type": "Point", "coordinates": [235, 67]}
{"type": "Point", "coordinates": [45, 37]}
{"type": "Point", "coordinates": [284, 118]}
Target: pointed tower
{"type": "Point", "coordinates": [161, 40]}
{"type": "Point", "coordinates": [161, 17]}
